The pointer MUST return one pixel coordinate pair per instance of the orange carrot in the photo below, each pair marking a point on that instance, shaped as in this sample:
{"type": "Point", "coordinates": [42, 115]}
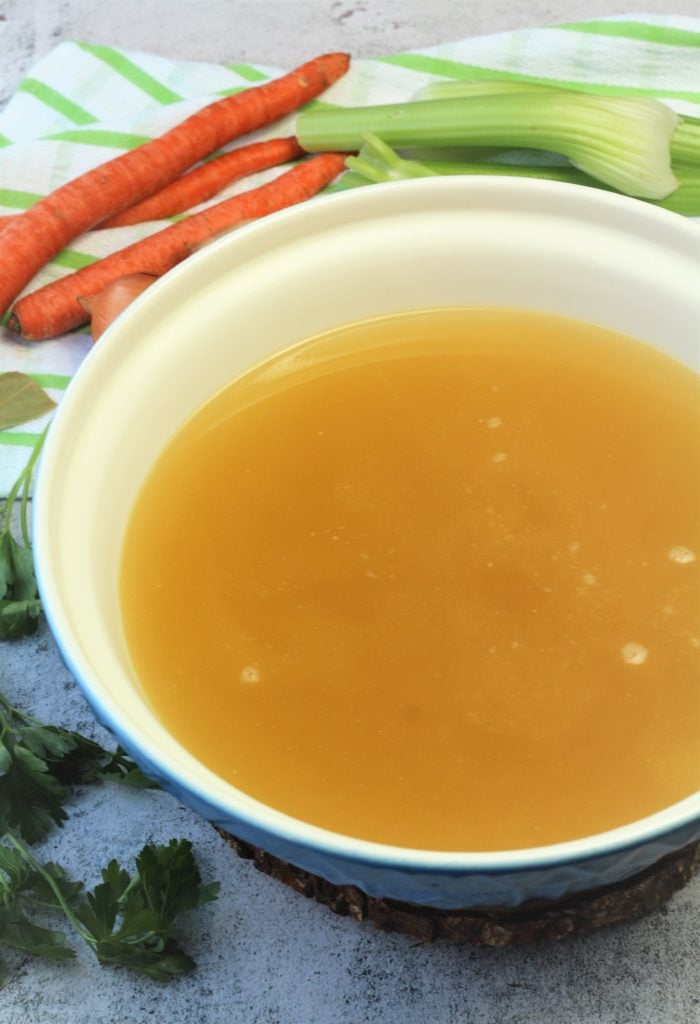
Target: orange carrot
{"type": "Point", "coordinates": [200, 184]}
{"type": "Point", "coordinates": [205, 181]}
{"type": "Point", "coordinates": [41, 232]}
{"type": "Point", "coordinates": [55, 308]}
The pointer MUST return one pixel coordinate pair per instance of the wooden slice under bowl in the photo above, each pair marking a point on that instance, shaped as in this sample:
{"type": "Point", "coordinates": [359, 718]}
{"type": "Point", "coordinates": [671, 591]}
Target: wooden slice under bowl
{"type": "Point", "coordinates": [536, 921]}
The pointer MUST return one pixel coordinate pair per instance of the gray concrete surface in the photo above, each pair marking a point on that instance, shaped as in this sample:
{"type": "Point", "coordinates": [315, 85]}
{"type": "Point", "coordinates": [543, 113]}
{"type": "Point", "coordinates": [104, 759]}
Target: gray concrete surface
{"type": "Point", "coordinates": [278, 32]}
{"type": "Point", "coordinates": [265, 955]}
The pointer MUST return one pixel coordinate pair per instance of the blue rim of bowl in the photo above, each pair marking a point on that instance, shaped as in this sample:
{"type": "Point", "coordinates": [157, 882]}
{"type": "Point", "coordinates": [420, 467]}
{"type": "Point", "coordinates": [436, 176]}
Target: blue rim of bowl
{"type": "Point", "coordinates": [642, 832]}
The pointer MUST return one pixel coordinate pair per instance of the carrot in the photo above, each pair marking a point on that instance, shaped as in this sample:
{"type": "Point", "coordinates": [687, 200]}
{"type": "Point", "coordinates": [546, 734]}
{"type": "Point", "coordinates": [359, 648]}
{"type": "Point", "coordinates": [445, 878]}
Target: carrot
{"type": "Point", "coordinates": [205, 181]}
{"type": "Point", "coordinates": [55, 308]}
{"type": "Point", "coordinates": [41, 232]}
{"type": "Point", "coordinates": [200, 184]}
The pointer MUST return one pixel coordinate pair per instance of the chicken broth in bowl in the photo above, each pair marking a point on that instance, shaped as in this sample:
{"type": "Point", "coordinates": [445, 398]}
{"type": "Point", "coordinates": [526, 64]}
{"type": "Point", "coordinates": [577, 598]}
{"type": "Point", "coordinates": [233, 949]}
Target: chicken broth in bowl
{"type": "Point", "coordinates": [431, 580]}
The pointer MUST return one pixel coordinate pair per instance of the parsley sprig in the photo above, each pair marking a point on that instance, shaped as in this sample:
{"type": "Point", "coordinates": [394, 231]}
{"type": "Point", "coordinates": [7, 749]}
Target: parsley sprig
{"type": "Point", "coordinates": [128, 919]}
{"type": "Point", "coordinates": [37, 764]}
{"type": "Point", "coordinates": [19, 596]}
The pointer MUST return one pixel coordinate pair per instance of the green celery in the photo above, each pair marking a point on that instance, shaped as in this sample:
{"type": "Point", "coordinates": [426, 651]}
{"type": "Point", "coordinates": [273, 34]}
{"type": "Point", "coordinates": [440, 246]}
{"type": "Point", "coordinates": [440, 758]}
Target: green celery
{"type": "Point", "coordinates": [459, 89]}
{"type": "Point", "coordinates": [625, 143]}
{"type": "Point", "coordinates": [377, 162]}
{"type": "Point", "coordinates": [685, 142]}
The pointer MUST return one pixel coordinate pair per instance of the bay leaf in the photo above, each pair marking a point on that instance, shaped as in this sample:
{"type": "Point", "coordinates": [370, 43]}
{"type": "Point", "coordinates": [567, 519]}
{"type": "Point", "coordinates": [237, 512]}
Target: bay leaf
{"type": "Point", "coordinates": [21, 400]}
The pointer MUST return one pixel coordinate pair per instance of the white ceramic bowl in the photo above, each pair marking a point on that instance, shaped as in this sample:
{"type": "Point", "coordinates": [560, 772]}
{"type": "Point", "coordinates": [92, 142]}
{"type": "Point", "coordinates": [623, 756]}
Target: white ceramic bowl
{"type": "Point", "coordinates": [419, 244]}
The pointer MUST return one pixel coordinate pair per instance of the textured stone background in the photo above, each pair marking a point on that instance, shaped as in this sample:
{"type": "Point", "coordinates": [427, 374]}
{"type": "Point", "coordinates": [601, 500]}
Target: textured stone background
{"type": "Point", "coordinates": [265, 955]}
{"type": "Point", "coordinates": [281, 32]}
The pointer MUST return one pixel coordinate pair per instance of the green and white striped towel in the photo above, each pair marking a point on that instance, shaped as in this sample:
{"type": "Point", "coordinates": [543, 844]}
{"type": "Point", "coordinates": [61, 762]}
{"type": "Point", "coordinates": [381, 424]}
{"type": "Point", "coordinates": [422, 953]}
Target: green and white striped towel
{"type": "Point", "coordinates": [83, 104]}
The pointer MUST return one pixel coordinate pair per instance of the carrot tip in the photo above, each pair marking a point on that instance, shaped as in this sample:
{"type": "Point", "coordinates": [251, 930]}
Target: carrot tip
{"type": "Point", "coordinates": [13, 323]}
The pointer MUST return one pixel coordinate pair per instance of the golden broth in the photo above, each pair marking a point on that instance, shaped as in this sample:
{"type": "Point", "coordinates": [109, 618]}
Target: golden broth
{"type": "Point", "coordinates": [431, 580]}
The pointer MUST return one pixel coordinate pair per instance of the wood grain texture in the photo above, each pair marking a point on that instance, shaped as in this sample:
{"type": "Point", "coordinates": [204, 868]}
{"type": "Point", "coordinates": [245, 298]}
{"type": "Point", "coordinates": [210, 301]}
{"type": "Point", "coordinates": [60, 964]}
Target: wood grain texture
{"type": "Point", "coordinates": [534, 922]}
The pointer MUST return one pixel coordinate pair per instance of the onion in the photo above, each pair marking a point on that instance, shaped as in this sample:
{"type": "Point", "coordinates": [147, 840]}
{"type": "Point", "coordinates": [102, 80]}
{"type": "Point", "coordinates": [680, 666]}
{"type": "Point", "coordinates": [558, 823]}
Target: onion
{"type": "Point", "coordinates": [105, 306]}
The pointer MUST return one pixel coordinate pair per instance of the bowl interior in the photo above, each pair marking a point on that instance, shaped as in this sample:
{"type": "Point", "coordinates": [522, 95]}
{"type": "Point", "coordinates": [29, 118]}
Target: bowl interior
{"type": "Point", "coordinates": [413, 245]}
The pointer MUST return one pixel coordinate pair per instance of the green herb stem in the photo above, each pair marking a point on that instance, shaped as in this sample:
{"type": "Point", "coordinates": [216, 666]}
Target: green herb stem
{"type": "Point", "coordinates": [15, 712]}
{"type": "Point", "coordinates": [53, 885]}
{"type": "Point", "coordinates": [24, 509]}
{"type": "Point", "coordinates": [22, 483]}
{"type": "Point", "coordinates": [12, 495]}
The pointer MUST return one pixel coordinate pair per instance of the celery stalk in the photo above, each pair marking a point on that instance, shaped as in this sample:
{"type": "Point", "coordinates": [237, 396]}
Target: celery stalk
{"type": "Point", "coordinates": [377, 162]}
{"type": "Point", "coordinates": [458, 90]}
{"type": "Point", "coordinates": [622, 142]}
{"type": "Point", "coordinates": [686, 198]}
{"type": "Point", "coordinates": [685, 142]}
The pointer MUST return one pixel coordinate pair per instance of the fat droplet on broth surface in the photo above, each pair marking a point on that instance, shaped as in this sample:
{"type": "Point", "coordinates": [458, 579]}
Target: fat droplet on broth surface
{"type": "Point", "coordinates": [634, 653]}
{"type": "Point", "coordinates": [681, 555]}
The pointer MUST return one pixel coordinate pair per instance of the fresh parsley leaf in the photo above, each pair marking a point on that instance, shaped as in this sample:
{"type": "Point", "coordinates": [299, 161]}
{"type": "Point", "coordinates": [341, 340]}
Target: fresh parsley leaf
{"type": "Point", "coordinates": [48, 741]}
{"type": "Point", "coordinates": [19, 597]}
{"type": "Point", "coordinates": [18, 876]}
{"type": "Point", "coordinates": [20, 605]}
{"type": "Point", "coordinates": [99, 910]}
{"type": "Point", "coordinates": [15, 872]}
{"type": "Point", "coordinates": [161, 962]}
{"type": "Point", "coordinates": [18, 568]}
{"type": "Point", "coordinates": [38, 762]}
{"type": "Point", "coordinates": [127, 920]}
{"type": "Point", "coordinates": [43, 885]}
{"type": "Point", "coordinates": [18, 932]}
{"type": "Point", "coordinates": [31, 798]}
{"type": "Point", "coordinates": [77, 760]}
{"type": "Point", "coordinates": [19, 618]}
{"type": "Point", "coordinates": [130, 919]}
{"type": "Point", "coordinates": [120, 768]}
{"type": "Point", "coordinates": [22, 886]}
{"type": "Point", "coordinates": [170, 880]}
